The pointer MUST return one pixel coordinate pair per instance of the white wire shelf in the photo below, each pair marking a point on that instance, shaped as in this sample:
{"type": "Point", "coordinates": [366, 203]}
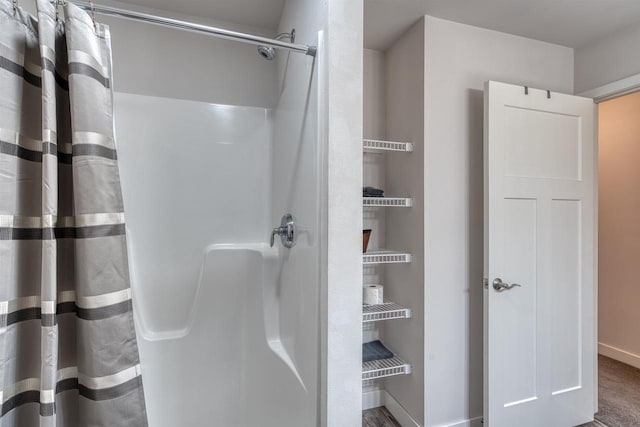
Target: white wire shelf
{"type": "Point", "coordinates": [379, 145]}
{"type": "Point", "coordinates": [386, 311]}
{"type": "Point", "coordinates": [385, 257]}
{"type": "Point", "coordinates": [400, 202]}
{"type": "Point", "coordinates": [384, 368]}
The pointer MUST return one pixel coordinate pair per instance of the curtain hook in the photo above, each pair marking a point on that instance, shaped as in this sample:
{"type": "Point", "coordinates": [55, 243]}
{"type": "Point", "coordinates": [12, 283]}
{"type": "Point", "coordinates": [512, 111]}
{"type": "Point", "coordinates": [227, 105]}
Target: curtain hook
{"type": "Point", "coordinates": [93, 15]}
{"type": "Point", "coordinates": [57, 10]}
{"type": "Point", "coordinates": [15, 7]}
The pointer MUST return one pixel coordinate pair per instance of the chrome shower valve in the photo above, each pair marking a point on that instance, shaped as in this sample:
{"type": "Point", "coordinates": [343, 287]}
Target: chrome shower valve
{"type": "Point", "coordinates": [286, 231]}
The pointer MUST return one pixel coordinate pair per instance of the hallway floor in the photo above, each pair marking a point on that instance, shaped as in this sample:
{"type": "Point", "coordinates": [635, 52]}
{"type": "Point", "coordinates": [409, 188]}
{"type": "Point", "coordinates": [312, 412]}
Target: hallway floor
{"type": "Point", "coordinates": [619, 393]}
{"type": "Point", "coordinates": [619, 399]}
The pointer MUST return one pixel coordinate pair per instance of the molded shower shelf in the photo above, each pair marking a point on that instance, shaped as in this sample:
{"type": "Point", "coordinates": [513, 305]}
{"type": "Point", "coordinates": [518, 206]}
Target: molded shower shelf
{"type": "Point", "coordinates": [384, 368]}
{"type": "Point", "coordinates": [385, 257]}
{"type": "Point", "coordinates": [378, 145]}
{"type": "Point", "coordinates": [401, 202]}
{"type": "Point", "coordinates": [386, 311]}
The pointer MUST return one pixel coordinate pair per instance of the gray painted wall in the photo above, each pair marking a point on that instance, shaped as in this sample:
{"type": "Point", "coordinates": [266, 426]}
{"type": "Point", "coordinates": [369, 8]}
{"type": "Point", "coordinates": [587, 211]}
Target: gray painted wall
{"type": "Point", "coordinates": [405, 99]}
{"type": "Point", "coordinates": [607, 60]}
{"type": "Point", "coordinates": [459, 59]}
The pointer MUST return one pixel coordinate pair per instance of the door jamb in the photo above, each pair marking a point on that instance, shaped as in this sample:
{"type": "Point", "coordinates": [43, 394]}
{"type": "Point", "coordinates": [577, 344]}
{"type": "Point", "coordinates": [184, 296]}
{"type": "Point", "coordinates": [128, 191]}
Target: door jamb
{"type": "Point", "coordinates": [614, 89]}
{"type": "Point", "coordinates": [600, 94]}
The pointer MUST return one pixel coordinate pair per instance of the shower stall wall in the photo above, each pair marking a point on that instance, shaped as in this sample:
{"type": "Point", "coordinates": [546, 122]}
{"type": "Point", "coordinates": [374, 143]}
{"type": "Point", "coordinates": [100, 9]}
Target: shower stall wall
{"type": "Point", "coordinates": [220, 313]}
{"type": "Point", "coordinates": [228, 327]}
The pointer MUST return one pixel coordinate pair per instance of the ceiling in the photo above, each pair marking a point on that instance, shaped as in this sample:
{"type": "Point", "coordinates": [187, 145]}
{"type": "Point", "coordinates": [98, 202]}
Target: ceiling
{"type": "Point", "coordinates": [255, 13]}
{"type": "Point", "coordinates": [571, 23]}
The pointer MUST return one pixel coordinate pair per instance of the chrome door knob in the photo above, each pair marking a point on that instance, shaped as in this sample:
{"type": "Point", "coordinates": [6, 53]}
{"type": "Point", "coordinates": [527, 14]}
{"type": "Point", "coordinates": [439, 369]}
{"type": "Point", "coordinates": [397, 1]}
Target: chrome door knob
{"type": "Point", "coordinates": [500, 286]}
{"type": "Point", "coordinates": [287, 232]}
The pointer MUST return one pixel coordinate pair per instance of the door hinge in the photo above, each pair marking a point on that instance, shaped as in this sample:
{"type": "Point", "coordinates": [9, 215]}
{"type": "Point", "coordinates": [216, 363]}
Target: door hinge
{"type": "Point", "coordinates": [485, 283]}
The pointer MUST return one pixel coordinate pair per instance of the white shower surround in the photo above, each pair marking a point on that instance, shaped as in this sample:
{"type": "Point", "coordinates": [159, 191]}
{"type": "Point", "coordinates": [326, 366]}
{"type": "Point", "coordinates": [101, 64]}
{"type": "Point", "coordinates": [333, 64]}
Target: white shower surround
{"type": "Point", "coordinates": [227, 326]}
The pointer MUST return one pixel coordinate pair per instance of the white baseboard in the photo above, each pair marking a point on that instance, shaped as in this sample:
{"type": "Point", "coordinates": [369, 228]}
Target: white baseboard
{"type": "Point", "coordinates": [398, 412]}
{"type": "Point", "coordinates": [473, 422]}
{"type": "Point", "coordinates": [376, 398]}
{"type": "Point", "coordinates": [619, 355]}
{"type": "Point", "coordinates": [372, 399]}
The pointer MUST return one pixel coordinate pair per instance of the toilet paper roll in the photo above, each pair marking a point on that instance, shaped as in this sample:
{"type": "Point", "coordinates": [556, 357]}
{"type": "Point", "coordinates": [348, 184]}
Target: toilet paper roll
{"type": "Point", "coordinates": [373, 294]}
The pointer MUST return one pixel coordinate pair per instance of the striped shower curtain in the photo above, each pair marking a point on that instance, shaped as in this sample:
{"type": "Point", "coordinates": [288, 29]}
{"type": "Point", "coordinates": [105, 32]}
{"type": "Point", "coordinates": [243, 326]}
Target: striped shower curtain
{"type": "Point", "coordinates": [68, 350]}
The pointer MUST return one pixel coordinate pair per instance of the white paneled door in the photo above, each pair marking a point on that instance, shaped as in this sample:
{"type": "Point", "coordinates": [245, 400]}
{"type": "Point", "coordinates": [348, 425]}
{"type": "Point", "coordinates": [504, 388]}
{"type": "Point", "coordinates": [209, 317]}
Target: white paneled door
{"type": "Point", "coordinates": [539, 258]}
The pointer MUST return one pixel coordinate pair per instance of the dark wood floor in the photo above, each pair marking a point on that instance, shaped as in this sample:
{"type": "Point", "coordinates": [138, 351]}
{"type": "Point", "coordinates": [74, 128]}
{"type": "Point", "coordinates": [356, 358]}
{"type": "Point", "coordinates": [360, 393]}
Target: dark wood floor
{"type": "Point", "coordinates": [618, 392]}
{"type": "Point", "coordinates": [378, 417]}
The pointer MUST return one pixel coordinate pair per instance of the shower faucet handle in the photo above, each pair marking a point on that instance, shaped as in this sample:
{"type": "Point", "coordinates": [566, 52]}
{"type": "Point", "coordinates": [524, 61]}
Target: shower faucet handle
{"type": "Point", "coordinates": [287, 232]}
{"type": "Point", "coordinates": [276, 231]}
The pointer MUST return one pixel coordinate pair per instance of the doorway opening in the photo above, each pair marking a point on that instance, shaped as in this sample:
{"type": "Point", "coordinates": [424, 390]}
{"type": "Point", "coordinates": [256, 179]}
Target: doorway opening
{"type": "Point", "coordinates": [618, 261]}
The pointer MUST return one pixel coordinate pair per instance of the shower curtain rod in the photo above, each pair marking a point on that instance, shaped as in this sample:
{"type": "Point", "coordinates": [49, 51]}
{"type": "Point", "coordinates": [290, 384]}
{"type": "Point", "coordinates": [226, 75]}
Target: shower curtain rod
{"type": "Point", "coordinates": [193, 27]}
